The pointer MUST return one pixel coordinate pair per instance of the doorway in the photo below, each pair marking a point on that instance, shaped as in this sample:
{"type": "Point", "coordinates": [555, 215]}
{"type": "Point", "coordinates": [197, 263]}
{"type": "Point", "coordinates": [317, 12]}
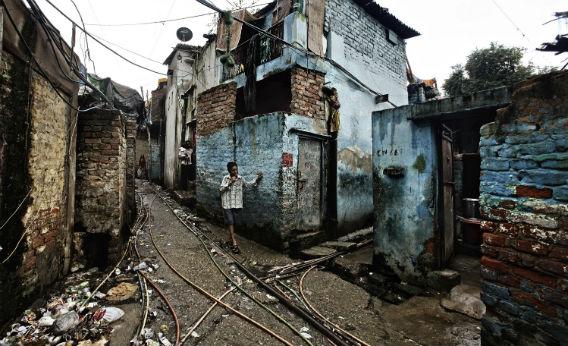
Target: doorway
{"type": "Point", "coordinates": [310, 183]}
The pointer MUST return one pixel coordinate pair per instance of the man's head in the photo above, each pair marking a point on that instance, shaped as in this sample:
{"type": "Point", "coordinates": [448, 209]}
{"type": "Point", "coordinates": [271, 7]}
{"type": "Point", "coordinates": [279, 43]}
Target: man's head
{"type": "Point", "coordinates": [232, 168]}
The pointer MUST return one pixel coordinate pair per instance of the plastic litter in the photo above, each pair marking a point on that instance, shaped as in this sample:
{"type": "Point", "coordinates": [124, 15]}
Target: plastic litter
{"type": "Point", "coordinates": [140, 266]}
{"type": "Point", "coordinates": [65, 322]}
{"type": "Point", "coordinates": [148, 333]}
{"type": "Point", "coordinates": [163, 340]}
{"type": "Point", "coordinates": [46, 321]}
{"type": "Point", "coordinates": [195, 335]}
{"type": "Point", "coordinates": [112, 314]}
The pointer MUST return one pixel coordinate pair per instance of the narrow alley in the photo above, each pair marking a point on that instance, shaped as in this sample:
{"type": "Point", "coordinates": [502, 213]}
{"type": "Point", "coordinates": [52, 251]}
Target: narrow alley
{"type": "Point", "coordinates": [238, 172]}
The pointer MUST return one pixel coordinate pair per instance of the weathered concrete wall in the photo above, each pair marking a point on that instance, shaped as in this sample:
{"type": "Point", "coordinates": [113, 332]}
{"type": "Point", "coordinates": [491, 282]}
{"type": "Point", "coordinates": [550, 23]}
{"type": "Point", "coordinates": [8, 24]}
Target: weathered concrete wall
{"type": "Point", "coordinates": [178, 83]}
{"type": "Point", "coordinates": [358, 43]}
{"type": "Point", "coordinates": [36, 134]}
{"type": "Point", "coordinates": [102, 162]}
{"type": "Point", "coordinates": [524, 202]}
{"type": "Point", "coordinates": [155, 167]}
{"type": "Point", "coordinates": [268, 144]}
{"type": "Point", "coordinates": [404, 223]}
{"type": "Point", "coordinates": [258, 148]}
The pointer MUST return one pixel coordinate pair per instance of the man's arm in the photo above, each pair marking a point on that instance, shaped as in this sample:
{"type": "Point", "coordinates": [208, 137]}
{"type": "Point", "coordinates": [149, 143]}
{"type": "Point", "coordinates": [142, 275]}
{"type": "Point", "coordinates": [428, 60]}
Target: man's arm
{"type": "Point", "coordinates": [225, 183]}
{"type": "Point", "coordinates": [254, 182]}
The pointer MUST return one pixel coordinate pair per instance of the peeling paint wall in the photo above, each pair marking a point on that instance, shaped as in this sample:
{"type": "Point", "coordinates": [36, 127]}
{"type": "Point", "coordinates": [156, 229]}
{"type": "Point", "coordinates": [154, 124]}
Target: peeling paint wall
{"type": "Point", "coordinates": [524, 204]}
{"type": "Point", "coordinates": [267, 144]}
{"type": "Point", "coordinates": [404, 218]}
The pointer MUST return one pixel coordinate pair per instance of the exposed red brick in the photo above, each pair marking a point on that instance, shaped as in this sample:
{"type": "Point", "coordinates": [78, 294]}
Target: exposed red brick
{"type": "Point", "coordinates": [533, 192]}
{"type": "Point", "coordinates": [495, 264]}
{"type": "Point", "coordinates": [528, 299]}
{"type": "Point", "coordinates": [552, 266]}
{"type": "Point", "coordinates": [500, 213]}
{"type": "Point", "coordinates": [494, 239]}
{"type": "Point", "coordinates": [530, 246]}
{"type": "Point", "coordinates": [216, 108]}
{"type": "Point", "coordinates": [508, 204]}
{"type": "Point", "coordinates": [559, 252]}
{"type": "Point", "coordinates": [535, 277]}
{"type": "Point", "coordinates": [488, 226]}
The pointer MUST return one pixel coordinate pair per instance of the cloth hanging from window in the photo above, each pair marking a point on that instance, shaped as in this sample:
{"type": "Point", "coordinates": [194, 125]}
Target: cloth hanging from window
{"type": "Point", "coordinates": [250, 73]}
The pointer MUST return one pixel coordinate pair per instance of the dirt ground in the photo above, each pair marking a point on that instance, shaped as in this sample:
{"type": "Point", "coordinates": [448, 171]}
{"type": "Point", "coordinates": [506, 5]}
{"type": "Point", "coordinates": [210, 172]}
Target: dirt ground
{"type": "Point", "coordinates": [418, 321]}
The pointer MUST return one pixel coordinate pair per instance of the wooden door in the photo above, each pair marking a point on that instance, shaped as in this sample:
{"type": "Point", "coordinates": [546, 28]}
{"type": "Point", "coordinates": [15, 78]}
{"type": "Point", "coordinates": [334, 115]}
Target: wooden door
{"type": "Point", "coordinates": [309, 186]}
{"type": "Point", "coordinates": [448, 194]}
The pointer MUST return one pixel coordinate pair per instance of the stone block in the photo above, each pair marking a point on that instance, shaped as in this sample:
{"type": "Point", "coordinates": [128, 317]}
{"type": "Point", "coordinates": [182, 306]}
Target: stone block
{"type": "Point", "coordinates": [542, 177]}
{"type": "Point", "coordinates": [495, 164]}
{"type": "Point", "coordinates": [443, 280]}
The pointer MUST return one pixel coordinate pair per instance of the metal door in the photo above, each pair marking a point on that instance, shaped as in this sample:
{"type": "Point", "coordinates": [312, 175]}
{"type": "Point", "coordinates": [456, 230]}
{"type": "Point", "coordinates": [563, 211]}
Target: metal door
{"type": "Point", "coordinates": [448, 194]}
{"type": "Point", "coordinates": [310, 183]}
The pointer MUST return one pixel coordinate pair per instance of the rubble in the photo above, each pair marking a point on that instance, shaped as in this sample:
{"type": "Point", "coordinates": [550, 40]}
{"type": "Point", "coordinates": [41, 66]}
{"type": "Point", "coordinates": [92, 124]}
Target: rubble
{"type": "Point", "coordinates": [73, 314]}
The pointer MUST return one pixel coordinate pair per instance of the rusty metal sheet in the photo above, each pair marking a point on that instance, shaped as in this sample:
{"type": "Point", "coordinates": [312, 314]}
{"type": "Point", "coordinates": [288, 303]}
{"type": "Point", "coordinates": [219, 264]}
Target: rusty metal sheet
{"type": "Point", "coordinates": [315, 13]}
{"type": "Point", "coordinates": [309, 183]}
{"type": "Point", "coordinates": [236, 29]}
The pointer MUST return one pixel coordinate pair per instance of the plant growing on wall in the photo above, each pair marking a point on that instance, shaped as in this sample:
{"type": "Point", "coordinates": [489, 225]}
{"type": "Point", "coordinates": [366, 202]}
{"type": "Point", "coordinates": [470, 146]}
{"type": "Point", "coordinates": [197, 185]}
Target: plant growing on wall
{"type": "Point", "coordinates": [488, 68]}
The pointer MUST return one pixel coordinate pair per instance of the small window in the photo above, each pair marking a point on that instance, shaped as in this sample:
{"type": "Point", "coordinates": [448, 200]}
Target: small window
{"type": "Point", "coordinates": [392, 37]}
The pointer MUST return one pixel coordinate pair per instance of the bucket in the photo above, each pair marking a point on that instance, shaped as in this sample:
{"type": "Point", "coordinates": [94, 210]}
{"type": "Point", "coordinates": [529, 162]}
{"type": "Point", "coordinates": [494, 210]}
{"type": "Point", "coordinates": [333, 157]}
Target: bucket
{"type": "Point", "coordinates": [471, 208]}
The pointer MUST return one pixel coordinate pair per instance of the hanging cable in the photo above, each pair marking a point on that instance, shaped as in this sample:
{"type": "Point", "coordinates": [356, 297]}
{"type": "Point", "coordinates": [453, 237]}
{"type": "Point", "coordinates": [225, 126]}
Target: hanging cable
{"type": "Point", "coordinates": [292, 46]}
{"type": "Point", "coordinates": [101, 43]}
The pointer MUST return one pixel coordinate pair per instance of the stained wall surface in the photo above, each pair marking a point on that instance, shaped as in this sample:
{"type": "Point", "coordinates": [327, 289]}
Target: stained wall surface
{"type": "Point", "coordinates": [404, 218]}
{"type": "Point", "coordinates": [524, 204]}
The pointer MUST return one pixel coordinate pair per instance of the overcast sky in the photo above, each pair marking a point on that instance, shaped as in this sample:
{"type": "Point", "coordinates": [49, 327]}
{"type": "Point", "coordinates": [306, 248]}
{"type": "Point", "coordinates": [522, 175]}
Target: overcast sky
{"type": "Point", "coordinates": [450, 30]}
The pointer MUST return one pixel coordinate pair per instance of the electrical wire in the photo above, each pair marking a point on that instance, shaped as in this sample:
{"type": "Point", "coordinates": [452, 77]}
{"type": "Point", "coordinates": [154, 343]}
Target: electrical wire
{"type": "Point", "coordinates": [509, 18]}
{"type": "Point", "coordinates": [101, 43]}
{"type": "Point", "coordinates": [40, 70]}
{"type": "Point", "coordinates": [86, 39]}
{"type": "Point", "coordinates": [16, 210]}
{"type": "Point", "coordinates": [300, 49]}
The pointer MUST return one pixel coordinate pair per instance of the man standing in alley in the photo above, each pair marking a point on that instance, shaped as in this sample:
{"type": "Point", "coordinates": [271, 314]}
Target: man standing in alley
{"type": "Point", "coordinates": [232, 199]}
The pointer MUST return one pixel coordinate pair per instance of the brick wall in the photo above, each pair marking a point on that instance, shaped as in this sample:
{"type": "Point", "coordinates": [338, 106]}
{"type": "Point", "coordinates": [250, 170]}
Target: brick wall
{"type": "Point", "coordinates": [216, 108]}
{"type": "Point", "coordinates": [35, 127]}
{"type": "Point", "coordinates": [131, 165]}
{"type": "Point", "coordinates": [524, 195]}
{"type": "Point", "coordinates": [101, 198]}
{"type": "Point", "coordinates": [365, 40]}
{"type": "Point", "coordinates": [307, 93]}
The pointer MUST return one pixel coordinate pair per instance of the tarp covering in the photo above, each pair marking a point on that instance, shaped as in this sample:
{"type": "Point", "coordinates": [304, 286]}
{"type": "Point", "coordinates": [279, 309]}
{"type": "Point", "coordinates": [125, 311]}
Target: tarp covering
{"type": "Point", "coordinates": [122, 97]}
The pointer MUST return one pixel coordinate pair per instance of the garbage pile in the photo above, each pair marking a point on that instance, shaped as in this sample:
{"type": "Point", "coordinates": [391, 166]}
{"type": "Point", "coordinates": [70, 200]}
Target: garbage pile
{"type": "Point", "coordinates": [74, 317]}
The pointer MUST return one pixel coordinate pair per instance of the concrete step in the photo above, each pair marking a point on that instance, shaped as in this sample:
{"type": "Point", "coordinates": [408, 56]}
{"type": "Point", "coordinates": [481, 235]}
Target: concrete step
{"type": "Point", "coordinates": [358, 236]}
{"type": "Point", "coordinates": [301, 241]}
{"type": "Point", "coordinates": [316, 252]}
{"type": "Point", "coordinates": [339, 245]}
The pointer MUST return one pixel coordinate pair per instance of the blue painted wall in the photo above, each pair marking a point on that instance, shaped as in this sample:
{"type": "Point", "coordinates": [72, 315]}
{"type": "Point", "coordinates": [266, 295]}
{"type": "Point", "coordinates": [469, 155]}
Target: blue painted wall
{"type": "Point", "coordinates": [258, 143]}
{"type": "Point", "coordinates": [404, 218]}
{"type": "Point", "coordinates": [258, 148]}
